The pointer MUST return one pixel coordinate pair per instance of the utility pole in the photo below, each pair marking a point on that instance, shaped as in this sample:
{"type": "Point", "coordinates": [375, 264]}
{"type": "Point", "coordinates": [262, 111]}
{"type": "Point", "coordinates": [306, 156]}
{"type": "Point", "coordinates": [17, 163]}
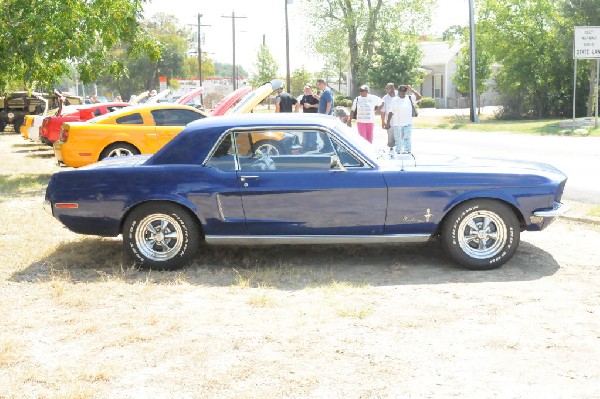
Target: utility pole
{"type": "Point", "coordinates": [233, 70]}
{"type": "Point", "coordinates": [200, 53]}
{"type": "Point", "coordinates": [473, 111]}
{"type": "Point", "coordinates": [287, 47]}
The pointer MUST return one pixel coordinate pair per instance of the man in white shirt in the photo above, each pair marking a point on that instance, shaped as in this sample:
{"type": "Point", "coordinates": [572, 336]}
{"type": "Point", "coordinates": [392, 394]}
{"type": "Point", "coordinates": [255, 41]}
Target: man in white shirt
{"type": "Point", "coordinates": [363, 109]}
{"type": "Point", "coordinates": [400, 117]}
{"type": "Point", "coordinates": [391, 91]}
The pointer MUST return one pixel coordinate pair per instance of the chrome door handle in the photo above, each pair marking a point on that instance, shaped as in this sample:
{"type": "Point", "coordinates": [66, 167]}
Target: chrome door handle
{"type": "Point", "coordinates": [244, 178]}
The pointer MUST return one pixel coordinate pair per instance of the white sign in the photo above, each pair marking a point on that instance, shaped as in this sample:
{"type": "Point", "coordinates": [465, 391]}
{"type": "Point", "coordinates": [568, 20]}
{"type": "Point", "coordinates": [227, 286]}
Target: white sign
{"type": "Point", "coordinates": [587, 42]}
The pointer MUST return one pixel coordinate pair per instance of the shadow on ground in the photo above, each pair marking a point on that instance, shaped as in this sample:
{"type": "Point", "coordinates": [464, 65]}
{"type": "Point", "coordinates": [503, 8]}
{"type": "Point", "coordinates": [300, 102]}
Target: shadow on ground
{"type": "Point", "coordinates": [285, 267]}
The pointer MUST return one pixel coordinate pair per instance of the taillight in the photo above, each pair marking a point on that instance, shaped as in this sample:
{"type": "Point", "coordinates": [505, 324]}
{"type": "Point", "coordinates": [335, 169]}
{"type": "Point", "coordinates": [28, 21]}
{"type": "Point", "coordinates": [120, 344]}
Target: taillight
{"type": "Point", "coordinates": [44, 127]}
{"type": "Point", "coordinates": [64, 133]}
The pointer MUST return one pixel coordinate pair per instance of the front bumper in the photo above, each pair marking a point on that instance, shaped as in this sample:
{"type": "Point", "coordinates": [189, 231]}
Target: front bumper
{"type": "Point", "coordinates": [557, 210]}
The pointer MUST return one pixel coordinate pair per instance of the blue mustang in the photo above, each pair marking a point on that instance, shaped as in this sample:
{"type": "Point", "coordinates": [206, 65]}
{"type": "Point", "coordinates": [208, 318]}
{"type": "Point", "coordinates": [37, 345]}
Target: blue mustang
{"type": "Point", "coordinates": [246, 179]}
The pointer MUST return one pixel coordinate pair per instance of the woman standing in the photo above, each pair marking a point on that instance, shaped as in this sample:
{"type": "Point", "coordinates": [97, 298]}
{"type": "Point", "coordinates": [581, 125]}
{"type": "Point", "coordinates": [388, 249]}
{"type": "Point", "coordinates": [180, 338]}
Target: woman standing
{"type": "Point", "coordinates": [400, 117]}
{"type": "Point", "coordinates": [364, 108]}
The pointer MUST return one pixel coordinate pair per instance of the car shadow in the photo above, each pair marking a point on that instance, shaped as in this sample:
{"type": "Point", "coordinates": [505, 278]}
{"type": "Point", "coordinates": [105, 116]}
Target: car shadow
{"type": "Point", "coordinates": [285, 267]}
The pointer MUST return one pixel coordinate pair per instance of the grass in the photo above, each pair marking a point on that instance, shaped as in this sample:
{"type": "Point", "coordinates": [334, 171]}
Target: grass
{"type": "Point", "coordinates": [487, 123]}
{"type": "Point", "coordinates": [19, 185]}
{"type": "Point", "coordinates": [595, 211]}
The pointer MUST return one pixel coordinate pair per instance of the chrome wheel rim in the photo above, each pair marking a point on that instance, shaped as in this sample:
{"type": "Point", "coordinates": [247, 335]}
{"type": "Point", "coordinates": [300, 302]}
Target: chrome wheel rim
{"type": "Point", "coordinates": [482, 234]}
{"type": "Point", "coordinates": [268, 149]}
{"type": "Point", "coordinates": [159, 237]}
{"type": "Point", "coordinates": [120, 152]}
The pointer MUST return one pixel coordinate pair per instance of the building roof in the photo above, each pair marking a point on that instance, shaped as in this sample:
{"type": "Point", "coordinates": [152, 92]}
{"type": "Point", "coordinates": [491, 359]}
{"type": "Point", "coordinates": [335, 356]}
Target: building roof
{"type": "Point", "coordinates": [438, 53]}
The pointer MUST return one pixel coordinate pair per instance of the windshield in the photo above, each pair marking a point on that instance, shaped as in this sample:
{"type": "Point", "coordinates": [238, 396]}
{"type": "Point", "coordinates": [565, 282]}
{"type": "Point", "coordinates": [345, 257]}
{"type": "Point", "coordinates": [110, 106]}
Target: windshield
{"type": "Point", "coordinates": [360, 143]}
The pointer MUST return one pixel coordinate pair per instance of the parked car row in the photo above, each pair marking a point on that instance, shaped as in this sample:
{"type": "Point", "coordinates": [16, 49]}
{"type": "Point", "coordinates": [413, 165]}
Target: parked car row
{"type": "Point", "coordinates": [81, 135]}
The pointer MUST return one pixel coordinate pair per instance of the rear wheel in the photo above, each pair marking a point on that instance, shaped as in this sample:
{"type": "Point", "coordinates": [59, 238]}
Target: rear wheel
{"type": "Point", "coordinates": [161, 236]}
{"type": "Point", "coordinates": [119, 150]}
{"type": "Point", "coordinates": [481, 234]}
{"type": "Point", "coordinates": [268, 147]}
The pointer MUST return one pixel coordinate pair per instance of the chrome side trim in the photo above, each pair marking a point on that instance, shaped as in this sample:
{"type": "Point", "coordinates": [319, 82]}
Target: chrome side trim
{"type": "Point", "coordinates": [559, 209]}
{"type": "Point", "coordinates": [220, 206]}
{"type": "Point", "coordinates": [316, 239]}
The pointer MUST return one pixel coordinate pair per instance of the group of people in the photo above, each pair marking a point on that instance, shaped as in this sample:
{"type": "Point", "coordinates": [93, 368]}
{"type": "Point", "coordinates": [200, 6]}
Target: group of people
{"type": "Point", "coordinates": [396, 108]}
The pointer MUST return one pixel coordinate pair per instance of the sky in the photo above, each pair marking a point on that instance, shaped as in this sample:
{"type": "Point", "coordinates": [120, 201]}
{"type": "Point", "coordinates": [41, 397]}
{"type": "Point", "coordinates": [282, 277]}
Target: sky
{"type": "Point", "coordinates": [266, 19]}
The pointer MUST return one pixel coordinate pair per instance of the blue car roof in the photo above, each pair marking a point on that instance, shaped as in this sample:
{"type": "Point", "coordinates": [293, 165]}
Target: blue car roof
{"type": "Point", "coordinates": [195, 142]}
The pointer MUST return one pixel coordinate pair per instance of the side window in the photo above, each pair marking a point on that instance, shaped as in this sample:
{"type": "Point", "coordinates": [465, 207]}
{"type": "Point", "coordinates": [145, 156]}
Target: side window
{"type": "Point", "coordinates": [284, 150]}
{"type": "Point", "coordinates": [223, 158]}
{"type": "Point", "coordinates": [133, 119]}
{"type": "Point", "coordinates": [346, 158]}
{"type": "Point", "coordinates": [174, 117]}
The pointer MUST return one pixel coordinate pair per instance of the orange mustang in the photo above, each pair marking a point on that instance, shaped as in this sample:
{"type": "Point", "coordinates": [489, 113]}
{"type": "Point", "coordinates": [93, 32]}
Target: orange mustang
{"type": "Point", "coordinates": [133, 130]}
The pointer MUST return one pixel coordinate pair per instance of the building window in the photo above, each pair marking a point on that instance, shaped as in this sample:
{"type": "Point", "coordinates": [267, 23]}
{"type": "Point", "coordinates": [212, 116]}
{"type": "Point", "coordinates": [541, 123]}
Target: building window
{"type": "Point", "coordinates": [437, 86]}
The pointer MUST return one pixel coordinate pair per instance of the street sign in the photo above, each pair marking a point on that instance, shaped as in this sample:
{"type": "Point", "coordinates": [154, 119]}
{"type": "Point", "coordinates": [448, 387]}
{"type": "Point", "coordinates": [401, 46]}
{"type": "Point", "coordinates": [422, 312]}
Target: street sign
{"type": "Point", "coordinates": [586, 42]}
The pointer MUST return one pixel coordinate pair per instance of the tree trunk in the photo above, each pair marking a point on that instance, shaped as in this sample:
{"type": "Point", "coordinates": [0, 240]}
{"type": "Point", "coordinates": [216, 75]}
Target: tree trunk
{"type": "Point", "coordinates": [592, 97]}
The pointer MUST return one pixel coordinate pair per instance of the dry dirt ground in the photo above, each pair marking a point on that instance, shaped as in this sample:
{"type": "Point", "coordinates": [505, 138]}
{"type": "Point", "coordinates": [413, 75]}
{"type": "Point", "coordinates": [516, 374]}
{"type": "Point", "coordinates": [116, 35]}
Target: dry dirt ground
{"type": "Point", "coordinates": [376, 321]}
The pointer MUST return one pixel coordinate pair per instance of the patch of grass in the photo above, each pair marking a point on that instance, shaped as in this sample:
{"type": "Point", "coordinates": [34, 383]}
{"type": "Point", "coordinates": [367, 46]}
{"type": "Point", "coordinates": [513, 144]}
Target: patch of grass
{"type": "Point", "coordinates": [487, 123]}
{"type": "Point", "coordinates": [11, 185]}
{"type": "Point", "coordinates": [261, 299]}
{"type": "Point", "coordinates": [355, 312]}
{"type": "Point", "coordinates": [595, 211]}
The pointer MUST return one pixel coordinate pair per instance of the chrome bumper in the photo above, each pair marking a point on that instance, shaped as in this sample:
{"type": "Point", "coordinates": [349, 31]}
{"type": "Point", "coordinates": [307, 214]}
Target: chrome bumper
{"type": "Point", "coordinates": [558, 210]}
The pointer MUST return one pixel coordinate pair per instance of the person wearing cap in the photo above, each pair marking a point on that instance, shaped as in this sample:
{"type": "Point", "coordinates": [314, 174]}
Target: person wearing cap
{"type": "Point", "coordinates": [364, 108]}
{"type": "Point", "coordinates": [400, 116]}
{"type": "Point", "coordinates": [391, 92]}
{"type": "Point", "coordinates": [284, 101]}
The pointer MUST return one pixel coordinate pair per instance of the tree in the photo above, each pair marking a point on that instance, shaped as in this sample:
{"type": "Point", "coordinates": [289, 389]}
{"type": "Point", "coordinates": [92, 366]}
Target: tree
{"type": "Point", "coordinates": [525, 38]}
{"type": "Point", "coordinates": [224, 70]}
{"type": "Point", "coordinates": [360, 23]}
{"type": "Point", "coordinates": [190, 68]}
{"type": "Point", "coordinates": [40, 39]}
{"type": "Point", "coordinates": [266, 67]}
{"type": "Point", "coordinates": [483, 71]}
{"type": "Point", "coordinates": [396, 60]}
{"type": "Point", "coordinates": [585, 13]}
{"type": "Point", "coordinates": [299, 78]}
{"type": "Point", "coordinates": [141, 72]}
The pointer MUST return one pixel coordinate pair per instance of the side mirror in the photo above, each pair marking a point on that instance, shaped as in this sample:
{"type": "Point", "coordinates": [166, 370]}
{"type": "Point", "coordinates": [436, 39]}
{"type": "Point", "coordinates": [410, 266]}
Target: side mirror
{"type": "Point", "coordinates": [336, 164]}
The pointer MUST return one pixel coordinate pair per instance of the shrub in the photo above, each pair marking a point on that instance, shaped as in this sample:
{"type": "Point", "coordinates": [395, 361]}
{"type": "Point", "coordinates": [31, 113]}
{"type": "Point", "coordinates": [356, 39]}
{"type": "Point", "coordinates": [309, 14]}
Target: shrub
{"type": "Point", "coordinates": [340, 97]}
{"type": "Point", "coordinates": [427, 102]}
{"type": "Point", "coordinates": [345, 102]}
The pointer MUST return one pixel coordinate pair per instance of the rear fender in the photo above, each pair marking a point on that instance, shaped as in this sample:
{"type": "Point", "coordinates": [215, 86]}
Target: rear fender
{"type": "Point", "coordinates": [173, 199]}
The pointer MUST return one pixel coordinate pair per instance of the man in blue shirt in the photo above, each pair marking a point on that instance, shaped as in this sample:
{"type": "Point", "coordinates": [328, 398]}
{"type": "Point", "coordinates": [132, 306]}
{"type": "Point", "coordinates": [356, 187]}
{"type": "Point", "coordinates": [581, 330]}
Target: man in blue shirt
{"type": "Point", "coordinates": [325, 99]}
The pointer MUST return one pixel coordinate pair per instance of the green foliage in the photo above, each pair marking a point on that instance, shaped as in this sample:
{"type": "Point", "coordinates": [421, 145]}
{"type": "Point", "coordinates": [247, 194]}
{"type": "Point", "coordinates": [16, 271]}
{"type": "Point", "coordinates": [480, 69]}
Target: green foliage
{"type": "Point", "coordinates": [142, 69]}
{"type": "Point", "coordinates": [427, 102]}
{"type": "Point", "coordinates": [483, 70]}
{"type": "Point", "coordinates": [190, 68]}
{"type": "Point", "coordinates": [266, 67]}
{"type": "Point", "coordinates": [40, 39]}
{"type": "Point", "coordinates": [298, 79]}
{"type": "Point", "coordinates": [360, 24]}
{"type": "Point", "coordinates": [396, 60]}
{"type": "Point", "coordinates": [224, 70]}
{"type": "Point", "coordinates": [345, 102]}
{"type": "Point", "coordinates": [530, 41]}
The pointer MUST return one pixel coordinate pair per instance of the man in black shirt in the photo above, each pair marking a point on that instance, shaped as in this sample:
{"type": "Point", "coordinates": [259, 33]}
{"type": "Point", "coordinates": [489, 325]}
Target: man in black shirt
{"type": "Point", "coordinates": [284, 101]}
{"type": "Point", "coordinates": [308, 102]}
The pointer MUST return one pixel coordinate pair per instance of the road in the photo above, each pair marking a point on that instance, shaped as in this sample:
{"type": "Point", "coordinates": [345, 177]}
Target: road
{"type": "Point", "coordinates": [578, 157]}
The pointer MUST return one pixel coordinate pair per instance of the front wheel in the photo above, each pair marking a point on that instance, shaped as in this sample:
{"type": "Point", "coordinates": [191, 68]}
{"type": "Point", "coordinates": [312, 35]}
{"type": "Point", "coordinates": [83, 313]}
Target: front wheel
{"type": "Point", "coordinates": [481, 234]}
{"type": "Point", "coordinates": [161, 236]}
{"type": "Point", "coordinates": [119, 150]}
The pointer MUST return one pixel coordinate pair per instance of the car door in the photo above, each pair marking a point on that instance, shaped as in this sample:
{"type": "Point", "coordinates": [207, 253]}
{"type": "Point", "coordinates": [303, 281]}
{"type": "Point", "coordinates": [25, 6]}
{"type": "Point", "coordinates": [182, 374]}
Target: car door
{"type": "Point", "coordinates": [296, 192]}
{"type": "Point", "coordinates": [170, 122]}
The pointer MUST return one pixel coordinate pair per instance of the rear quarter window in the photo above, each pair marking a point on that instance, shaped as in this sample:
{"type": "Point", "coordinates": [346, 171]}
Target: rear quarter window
{"type": "Point", "coordinates": [133, 119]}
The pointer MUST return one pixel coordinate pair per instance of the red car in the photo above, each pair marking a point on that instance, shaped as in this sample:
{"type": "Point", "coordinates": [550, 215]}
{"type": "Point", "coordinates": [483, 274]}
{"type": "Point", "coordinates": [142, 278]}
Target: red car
{"type": "Point", "coordinates": [51, 125]}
